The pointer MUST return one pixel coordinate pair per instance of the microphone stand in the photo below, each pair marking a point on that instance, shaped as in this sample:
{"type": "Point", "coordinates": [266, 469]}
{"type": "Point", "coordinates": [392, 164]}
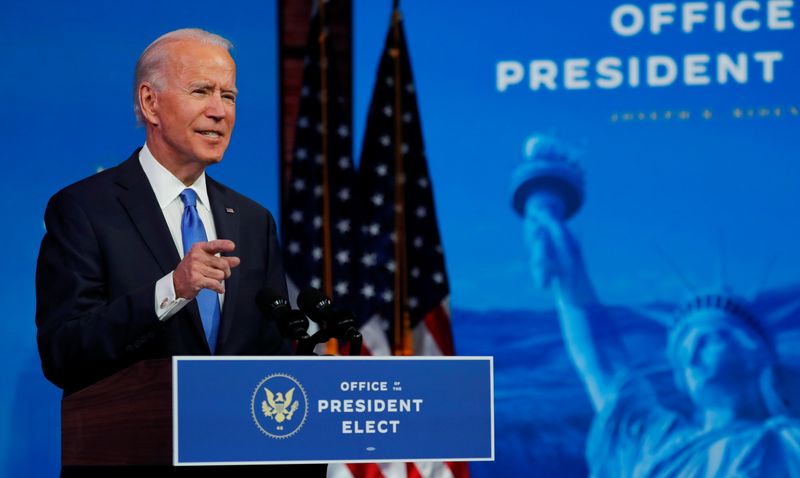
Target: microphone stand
{"type": "Point", "coordinates": [305, 346]}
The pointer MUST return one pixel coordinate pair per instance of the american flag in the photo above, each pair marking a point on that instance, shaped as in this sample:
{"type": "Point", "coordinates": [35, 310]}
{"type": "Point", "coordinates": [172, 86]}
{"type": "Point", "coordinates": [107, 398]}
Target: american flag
{"type": "Point", "coordinates": [403, 285]}
{"type": "Point", "coordinates": [319, 231]}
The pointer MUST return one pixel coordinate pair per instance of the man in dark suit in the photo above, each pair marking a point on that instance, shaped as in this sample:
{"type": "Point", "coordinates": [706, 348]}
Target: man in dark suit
{"type": "Point", "coordinates": [152, 258]}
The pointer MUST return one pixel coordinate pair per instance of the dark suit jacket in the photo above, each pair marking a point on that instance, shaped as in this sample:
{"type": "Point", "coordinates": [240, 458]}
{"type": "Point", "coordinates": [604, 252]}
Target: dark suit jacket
{"type": "Point", "coordinates": [106, 246]}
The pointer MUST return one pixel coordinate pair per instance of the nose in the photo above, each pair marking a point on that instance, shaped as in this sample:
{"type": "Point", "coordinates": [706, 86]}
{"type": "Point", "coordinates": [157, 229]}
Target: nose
{"type": "Point", "coordinates": [216, 107]}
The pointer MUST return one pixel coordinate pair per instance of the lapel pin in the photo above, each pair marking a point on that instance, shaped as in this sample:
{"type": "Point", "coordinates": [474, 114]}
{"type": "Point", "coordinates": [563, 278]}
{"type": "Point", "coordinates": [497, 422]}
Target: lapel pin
{"type": "Point", "coordinates": [229, 210]}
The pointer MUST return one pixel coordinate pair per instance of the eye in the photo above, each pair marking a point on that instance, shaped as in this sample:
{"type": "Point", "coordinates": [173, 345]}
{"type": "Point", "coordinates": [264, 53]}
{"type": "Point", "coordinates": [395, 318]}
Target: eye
{"type": "Point", "coordinates": [229, 97]}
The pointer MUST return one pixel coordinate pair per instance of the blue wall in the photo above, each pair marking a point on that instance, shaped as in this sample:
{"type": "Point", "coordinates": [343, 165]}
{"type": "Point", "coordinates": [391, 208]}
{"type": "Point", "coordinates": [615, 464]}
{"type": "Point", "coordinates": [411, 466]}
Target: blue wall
{"type": "Point", "coordinates": [719, 186]}
{"type": "Point", "coordinates": [67, 72]}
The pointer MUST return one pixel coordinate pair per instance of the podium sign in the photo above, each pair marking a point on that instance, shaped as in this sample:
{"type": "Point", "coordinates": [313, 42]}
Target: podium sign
{"type": "Point", "coordinates": [255, 410]}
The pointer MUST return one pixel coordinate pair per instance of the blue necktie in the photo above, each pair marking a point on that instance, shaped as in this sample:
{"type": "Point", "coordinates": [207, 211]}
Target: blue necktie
{"type": "Point", "coordinates": [193, 231]}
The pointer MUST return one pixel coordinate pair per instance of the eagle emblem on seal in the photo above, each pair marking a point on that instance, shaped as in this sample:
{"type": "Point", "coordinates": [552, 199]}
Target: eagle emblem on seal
{"type": "Point", "coordinates": [279, 406]}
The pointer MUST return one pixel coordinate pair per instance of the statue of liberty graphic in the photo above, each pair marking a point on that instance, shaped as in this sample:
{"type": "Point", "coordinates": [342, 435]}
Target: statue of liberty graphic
{"type": "Point", "coordinates": [712, 403]}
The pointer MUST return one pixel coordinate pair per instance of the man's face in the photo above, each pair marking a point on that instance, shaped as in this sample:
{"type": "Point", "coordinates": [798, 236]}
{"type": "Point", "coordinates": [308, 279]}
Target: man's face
{"type": "Point", "coordinates": [196, 107]}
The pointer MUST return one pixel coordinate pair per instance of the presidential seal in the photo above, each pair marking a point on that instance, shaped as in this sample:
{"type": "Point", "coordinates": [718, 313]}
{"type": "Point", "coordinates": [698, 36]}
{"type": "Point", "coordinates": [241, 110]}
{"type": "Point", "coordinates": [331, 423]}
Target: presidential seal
{"type": "Point", "coordinates": [279, 406]}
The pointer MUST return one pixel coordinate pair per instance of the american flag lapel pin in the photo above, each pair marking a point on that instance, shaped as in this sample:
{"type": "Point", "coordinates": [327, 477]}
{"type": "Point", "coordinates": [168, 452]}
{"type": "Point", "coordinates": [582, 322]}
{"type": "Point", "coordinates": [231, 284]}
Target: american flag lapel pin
{"type": "Point", "coordinates": [229, 210]}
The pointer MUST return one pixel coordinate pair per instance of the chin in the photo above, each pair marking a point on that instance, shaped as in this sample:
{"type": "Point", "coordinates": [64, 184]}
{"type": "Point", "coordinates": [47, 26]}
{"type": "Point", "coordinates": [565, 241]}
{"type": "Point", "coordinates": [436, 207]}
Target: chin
{"type": "Point", "coordinates": [210, 157]}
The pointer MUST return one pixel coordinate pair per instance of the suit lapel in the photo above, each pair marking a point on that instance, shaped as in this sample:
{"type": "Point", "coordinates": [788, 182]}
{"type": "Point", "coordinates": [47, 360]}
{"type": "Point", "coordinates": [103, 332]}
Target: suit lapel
{"type": "Point", "coordinates": [226, 221]}
{"type": "Point", "coordinates": [139, 200]}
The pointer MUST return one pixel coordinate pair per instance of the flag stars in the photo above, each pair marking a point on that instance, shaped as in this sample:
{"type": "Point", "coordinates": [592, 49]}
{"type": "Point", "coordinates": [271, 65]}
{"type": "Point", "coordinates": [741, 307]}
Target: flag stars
{"type": "Point", "coordinates": [369, 260]}
{"type": "Point", "coordinates": [344, 195]}
{"type": "Point", "coordinates": [377, 199]}
{"type": "Point", "coordinates": [413, 302]}
{"type": "Point", "coordinates": [410, 87]}
{"type": "Point", "coordinates": [407, 117]}
{"type": "Point", "coordinates": [389, 81]}
{"type": "Point", "coordinates": [316, 253]}
{"type": "Point", "coordinates": [344, 162]}
{"type": "Point", "coordinates": [390, 266]}
{"type": "Point", "coordinates": [315, 282]}
{"type": "Point", "coordinates": [438, 277]}
{"type": "Point", "coordinates": [305, 91]}
{"type": "Point", "coordinates": [381, 170]}
{"type": "Point", "coordinates": [368, 291]}
{"type": "Point", "coordinates": [387, 295]}
{"type": "Point", "coordinates": [296, 216]}
{"type": "Point", "coordinates": [294, 247]}
{"type": "Point", "coordinates": [343, 226]}
{"type": "Point", "coordinates": [318, 191]}
{"type": "Point", "coordinates": [343, 257]}
{"type": "Point", "coordinates": [301, 154]}
{"type": "Point", "coordinates": [387, 111]}
{"type": "Point", "coordinates": [299, 184]}
{"type": "Point", "coordinates": [374, 229]}
{"type": "Point", "coordinates": [385, 140]}
{"type": "Point", "coordinates": [318, 158]}
{"type": "Point", "coordinates": [404, 148]}
{"type": "Point", "coordinates": [422, 212]}
{"type": "Point", "coordinates": [415, 272]}
{"type": "Point", "coordinates": [343, 131]}
{"type": "Point", "coordinates": [423, 182]}
{"type": "Point", "coordinates": [302, 122]}
{"type": "Point", "coordinates": [317, 221]}
{"type": "Point", "coordinates": [342, 288]}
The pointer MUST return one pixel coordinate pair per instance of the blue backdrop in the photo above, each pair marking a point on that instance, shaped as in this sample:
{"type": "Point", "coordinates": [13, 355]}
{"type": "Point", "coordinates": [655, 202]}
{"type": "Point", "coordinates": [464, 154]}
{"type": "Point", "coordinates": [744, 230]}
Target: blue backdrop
{"type": "Point", "coordinates": [706, 174]}
{"type": "Point", "coordinates": [68, 69]}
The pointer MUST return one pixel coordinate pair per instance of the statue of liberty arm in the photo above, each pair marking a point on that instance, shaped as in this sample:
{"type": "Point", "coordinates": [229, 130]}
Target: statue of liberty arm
{"type": "Point", "coordinates": [548, 190]}
{"type": "Point", "coordinates": [556, 262]}
{"type": "Point", "coordinates": [721, 359]}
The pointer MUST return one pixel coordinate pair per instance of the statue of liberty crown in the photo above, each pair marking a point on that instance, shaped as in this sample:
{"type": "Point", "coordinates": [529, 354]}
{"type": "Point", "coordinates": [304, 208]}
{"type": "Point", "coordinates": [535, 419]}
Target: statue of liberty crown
{"type": "Point", "coordinates": [730, 305]}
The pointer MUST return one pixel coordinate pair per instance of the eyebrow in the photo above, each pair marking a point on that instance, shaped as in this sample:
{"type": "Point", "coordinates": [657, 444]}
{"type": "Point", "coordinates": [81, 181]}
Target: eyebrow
{"type": "Point", "coordinates": [206, 85]}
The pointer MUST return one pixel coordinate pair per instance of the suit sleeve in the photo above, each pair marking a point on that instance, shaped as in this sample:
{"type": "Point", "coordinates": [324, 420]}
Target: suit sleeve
{"type": "Point", "coordinates": [82, 334]}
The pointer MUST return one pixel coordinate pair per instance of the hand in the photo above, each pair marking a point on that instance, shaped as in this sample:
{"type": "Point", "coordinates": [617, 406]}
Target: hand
{"type": "Point", "coordinates": [202, 269]}
{"type": "Point", "coordinates": [554, 252]}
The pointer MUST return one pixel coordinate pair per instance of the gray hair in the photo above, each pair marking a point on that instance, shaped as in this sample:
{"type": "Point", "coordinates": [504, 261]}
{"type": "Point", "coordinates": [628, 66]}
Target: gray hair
{"type": "Point", "coordinates": [150, 67]}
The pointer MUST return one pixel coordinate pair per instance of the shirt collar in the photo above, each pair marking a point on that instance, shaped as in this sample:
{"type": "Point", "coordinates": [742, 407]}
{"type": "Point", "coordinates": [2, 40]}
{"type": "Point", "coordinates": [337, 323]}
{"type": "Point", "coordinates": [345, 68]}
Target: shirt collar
{"type": "Point", "coordinates": [165, 185]}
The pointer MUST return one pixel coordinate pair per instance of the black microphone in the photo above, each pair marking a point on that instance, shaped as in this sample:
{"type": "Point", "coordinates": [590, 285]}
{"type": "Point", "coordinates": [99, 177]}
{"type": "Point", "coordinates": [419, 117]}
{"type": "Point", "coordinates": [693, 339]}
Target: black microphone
{"type": "Point", "coordinates": [318, 308]}
{"type": "Point", "coordinates": [291, 323]}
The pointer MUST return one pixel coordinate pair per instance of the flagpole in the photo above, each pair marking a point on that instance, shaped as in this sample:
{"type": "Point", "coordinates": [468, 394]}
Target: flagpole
{"type": "Point", "coordinates": [327, 252]}
{"type": "Point", "coordinates": [402, 320]}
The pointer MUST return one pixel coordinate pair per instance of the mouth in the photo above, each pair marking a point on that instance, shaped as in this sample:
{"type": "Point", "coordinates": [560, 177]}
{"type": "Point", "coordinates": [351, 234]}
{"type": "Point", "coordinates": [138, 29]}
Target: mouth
{"type": "Point", "coordinates": [210, 134]}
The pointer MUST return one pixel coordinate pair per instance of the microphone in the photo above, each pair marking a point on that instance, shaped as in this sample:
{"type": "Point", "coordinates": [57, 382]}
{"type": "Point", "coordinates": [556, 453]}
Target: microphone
{"type": "Point", "coordinates": [292, 324]}
{"type": "Point", "coordinates": [318, 308]}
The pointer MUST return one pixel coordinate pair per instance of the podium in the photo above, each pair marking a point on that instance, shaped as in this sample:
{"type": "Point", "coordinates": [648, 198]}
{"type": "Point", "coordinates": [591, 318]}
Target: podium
{"type": "Point", "coordinates": [125, 419]}
{"type": "Point", "coordinates": [283, 410]}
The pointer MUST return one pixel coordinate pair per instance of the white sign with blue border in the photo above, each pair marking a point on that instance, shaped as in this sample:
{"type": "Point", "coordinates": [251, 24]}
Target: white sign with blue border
{"type": "Point", "coordinates": [258, 410]}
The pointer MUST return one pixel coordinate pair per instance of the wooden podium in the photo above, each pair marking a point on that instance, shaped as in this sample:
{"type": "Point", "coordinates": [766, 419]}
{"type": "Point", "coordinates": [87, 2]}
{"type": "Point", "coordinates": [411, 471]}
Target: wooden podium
{"type": "Point", "coordinates": [125, 419]}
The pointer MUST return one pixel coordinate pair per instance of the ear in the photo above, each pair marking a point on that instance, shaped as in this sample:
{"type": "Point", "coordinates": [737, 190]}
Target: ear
{"type": "Point", "coordinates": [148, 102]}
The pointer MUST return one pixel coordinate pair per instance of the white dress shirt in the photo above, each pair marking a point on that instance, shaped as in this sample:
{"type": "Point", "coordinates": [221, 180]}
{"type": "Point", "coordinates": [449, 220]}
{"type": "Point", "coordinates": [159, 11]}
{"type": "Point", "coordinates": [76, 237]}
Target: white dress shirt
{"type": "Point", "coordinates": [168, 189]}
